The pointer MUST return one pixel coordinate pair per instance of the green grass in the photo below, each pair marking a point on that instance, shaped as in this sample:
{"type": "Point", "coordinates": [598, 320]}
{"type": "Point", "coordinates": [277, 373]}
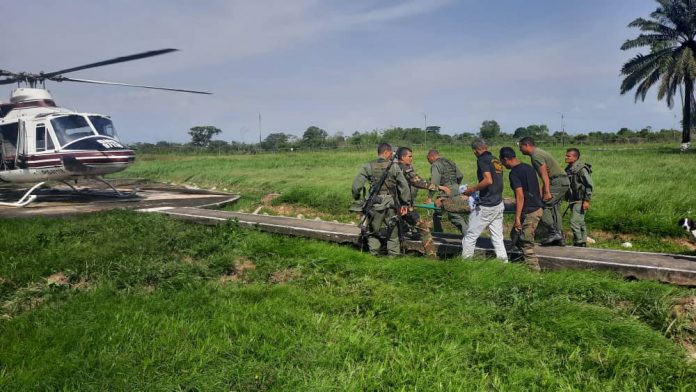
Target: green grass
{"type": "Point", "coordinates": [146, 310]}
{"type": "Point", "coordinates": [640, 190]}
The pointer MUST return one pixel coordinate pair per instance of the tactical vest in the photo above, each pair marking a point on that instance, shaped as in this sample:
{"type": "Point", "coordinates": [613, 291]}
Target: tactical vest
{"type": "Point", "coordinates": [577, 188]}
{"type": "Point", "coordinates": [449, 172]}
{"type": "Point", "coordinates": [377, 169]}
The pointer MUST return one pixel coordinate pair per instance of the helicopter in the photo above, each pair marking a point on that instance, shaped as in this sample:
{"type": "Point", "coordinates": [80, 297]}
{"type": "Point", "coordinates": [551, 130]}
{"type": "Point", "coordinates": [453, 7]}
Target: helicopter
{"type": "Point", "coordinates": [40, 141]}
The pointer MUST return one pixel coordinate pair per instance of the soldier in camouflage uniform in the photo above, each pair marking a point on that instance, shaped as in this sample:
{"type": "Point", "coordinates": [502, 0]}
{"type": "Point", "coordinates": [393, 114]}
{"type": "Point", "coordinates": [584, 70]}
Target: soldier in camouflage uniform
{"type": "Point", "coordinates": [529, 206]}
{"type": "Point", "coordinates": [444, 172]}
{"type": "Point", "coordinates": [579, 195]}
{"type": "Point", "coordinates": [405, 156]}
{"type": "Point", "coordinates": [394, 198]}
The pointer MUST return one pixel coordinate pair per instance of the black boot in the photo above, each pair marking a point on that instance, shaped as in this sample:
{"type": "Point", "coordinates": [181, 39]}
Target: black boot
{"type": "Point", "coordinates": [554, 239]}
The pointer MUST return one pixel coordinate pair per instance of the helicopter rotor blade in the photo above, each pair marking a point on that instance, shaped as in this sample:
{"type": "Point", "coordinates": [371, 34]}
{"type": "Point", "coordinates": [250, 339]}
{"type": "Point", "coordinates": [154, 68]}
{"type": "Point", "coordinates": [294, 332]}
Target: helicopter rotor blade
{"type": "Point", "coordinates": [8, 81]}
{"type": "Point", "coordinates": [66, 79]}
{"type": "Point", "coordinates": [13, 77]}
{"type": "Point", "coordinates": [108, 62]}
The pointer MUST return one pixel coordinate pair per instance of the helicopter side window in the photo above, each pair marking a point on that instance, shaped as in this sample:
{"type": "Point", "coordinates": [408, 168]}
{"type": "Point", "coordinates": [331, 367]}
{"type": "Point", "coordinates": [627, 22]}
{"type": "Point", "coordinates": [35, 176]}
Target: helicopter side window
{"type": "Point", "coordinates": [104, 126]}
{"type": "Point", "coordinates": [40, 138]}
{"type": "Point", "coordinates": [70, 128]}
{"type": "Point", "coordinates": [44, 142]}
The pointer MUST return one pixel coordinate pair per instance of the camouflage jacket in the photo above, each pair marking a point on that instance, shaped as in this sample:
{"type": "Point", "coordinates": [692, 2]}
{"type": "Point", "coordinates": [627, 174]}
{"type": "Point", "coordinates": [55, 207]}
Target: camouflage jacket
{"type": "Point", "coordinates": [371, 172]}
{"type": "Point", "coordinates": [415, 181]}
{"type": "Point", "coordinates": [581, 186]}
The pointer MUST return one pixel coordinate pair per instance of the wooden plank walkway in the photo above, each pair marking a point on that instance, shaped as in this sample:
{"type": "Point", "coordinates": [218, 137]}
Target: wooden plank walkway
{"type": "Point", "coordinates": [676, 269]}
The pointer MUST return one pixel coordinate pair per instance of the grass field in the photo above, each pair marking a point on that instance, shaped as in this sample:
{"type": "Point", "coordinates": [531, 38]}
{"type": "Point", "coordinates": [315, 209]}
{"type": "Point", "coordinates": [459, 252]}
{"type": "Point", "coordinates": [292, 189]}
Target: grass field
{"type": "Point", "coordinates": [127, 301]}
{"type": "Point", "coordinates": [141, 302]}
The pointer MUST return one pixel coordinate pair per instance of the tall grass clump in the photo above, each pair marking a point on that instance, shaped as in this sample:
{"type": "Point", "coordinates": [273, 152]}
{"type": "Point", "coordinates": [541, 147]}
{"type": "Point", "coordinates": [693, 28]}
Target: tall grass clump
{"type": "Point", "coordinates": [150, 303]}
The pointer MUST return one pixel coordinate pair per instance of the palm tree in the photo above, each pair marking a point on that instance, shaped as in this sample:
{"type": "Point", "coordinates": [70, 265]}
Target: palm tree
{"type": "Point", "coordinates": [670, 34]}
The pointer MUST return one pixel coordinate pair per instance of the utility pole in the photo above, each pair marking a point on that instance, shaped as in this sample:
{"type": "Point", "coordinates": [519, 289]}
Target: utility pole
{"type": "Point", "coordinates": [259, 129]}
{"type": "Point", "coordinates": [562, 131]}
{"type": "Point", "coordinates": [425, 129]}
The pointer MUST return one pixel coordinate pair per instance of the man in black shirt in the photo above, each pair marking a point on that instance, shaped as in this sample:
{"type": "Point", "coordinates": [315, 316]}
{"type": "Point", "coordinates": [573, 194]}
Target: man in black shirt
{"type": "Point", "coordinates": [529, 205]}
{"type": "Point", "coordinates": [488, 212]}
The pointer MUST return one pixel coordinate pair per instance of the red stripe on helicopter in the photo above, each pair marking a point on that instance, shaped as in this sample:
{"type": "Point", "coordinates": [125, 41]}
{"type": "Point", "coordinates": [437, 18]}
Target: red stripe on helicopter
{"type": "Point", "coordinates": [124, 153]}
{"type": "Point", "coordinates": [43, 103]}
{"type": "Point", "coordinates": [94, 161]}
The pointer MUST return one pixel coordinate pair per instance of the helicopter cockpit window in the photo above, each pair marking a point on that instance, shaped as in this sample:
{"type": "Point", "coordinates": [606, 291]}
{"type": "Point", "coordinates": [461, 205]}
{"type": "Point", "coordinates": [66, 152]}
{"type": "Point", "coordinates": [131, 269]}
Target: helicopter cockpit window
{"type": "Point", "coordinates": [104, 126]}
{"type": "Point", "coordinates": [70, 128]}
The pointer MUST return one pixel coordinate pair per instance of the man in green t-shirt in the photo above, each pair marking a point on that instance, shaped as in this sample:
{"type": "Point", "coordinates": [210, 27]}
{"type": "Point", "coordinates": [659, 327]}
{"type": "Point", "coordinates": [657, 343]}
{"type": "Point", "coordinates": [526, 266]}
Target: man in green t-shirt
{"type": "Point", "coordinates": [555, 184]}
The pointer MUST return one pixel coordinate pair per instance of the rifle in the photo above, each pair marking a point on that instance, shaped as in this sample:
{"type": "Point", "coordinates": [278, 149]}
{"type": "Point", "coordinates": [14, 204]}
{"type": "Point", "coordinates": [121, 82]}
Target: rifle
{"type": "Point", "coordinates": [371, 200]}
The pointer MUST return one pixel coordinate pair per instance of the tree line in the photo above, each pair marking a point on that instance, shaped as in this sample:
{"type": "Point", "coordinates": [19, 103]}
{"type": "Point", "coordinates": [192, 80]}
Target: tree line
{"type": "Point", "coordinates": [316, 138]}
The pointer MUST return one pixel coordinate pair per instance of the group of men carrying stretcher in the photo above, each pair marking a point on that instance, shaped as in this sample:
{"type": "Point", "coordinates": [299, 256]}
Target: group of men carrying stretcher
{"type": "Point", "coordinates": [388, 213]}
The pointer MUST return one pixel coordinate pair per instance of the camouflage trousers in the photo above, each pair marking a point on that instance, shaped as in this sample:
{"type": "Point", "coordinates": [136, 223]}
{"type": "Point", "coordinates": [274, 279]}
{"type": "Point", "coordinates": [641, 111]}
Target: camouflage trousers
{"type": "Point", "coordinates": [524, 239]}
{"type": "Point", "coordinates": [383, 227]}
{"type": "Point", "coordinates": [552, 218]}
{"type": "Point", "coordinates": [423, 227]}
{"type": "Point", "coordinates": [577, 223]}
{"type": "Point", "coordinates": [452, 206]}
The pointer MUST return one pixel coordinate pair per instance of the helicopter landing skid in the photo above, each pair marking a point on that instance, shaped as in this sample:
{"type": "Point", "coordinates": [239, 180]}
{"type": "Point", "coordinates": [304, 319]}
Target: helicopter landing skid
{"type": "Point", "coordinates": [116, 193]}
{"type": "Point", "coordinates": [26, 199]}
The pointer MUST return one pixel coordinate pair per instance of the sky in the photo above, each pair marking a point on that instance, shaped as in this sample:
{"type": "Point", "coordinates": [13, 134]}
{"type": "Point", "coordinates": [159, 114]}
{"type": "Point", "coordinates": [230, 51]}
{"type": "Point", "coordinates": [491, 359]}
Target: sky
{"type": "Point", "coordinates": [343, 66]}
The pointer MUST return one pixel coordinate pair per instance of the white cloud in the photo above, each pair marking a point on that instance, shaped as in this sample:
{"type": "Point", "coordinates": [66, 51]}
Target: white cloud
{"type": "Point", "coordinates": [251, 54]}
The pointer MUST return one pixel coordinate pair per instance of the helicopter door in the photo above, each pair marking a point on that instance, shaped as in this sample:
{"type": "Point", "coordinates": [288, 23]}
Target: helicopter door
{"type": "Point", "coordinates": [21, 157]}
{"type": "Point", "coordinates": [8, 146]}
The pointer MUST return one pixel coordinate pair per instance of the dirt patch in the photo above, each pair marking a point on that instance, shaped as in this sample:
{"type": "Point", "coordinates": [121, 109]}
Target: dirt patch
{"type": "Point", "coordinates": [685, 311]}
{"type": "Point", "coordinates": [605, 236]}
{"type": "Point", "coordinates": [285, 275]}
{"type": "Point", "coordinates": [686, 243]}
{"type": "Point", "coordinates": [266, 200]}
{"type": "Point", "coordinates": [625, 305]}
{"type": "Point", "coordinates": [244, 265]}
{"type": "Point", "coordinates": [237, 274]}
{"type": "Point", "coordinates": [691, 349]}
{"type": "Point", "coordinates": [58, 279]}
{"type": "Point", "coordinates": [229, 278]}
{"type": "Point", "coordinates": [285, 209]}
{"type": "Point", "coordinates": [82, 285]}
{"type": "Point", "coordinates": [190, 260]}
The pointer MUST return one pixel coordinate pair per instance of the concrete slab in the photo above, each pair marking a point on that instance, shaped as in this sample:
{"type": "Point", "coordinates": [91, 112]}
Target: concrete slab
{"type": "Point", "coordinates": [61, 200]}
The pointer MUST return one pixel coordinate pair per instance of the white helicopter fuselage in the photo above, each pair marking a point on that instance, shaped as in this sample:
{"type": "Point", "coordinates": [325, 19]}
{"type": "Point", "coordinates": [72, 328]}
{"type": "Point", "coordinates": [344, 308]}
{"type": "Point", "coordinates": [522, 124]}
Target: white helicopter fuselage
{"type": "Point", "coordinates": [41, 141]}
